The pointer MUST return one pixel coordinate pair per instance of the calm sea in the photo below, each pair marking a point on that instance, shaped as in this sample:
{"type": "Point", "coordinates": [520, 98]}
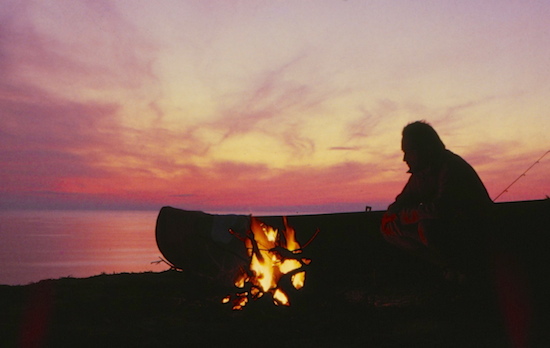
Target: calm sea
{"type": "Point", "coordinates": [36, 245]}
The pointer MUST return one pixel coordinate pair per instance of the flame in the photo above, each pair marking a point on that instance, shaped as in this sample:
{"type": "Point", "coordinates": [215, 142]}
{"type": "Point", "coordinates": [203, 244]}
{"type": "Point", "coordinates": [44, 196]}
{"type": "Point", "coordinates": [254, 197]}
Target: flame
{"type": "Point", "coordinates": [272, 256]}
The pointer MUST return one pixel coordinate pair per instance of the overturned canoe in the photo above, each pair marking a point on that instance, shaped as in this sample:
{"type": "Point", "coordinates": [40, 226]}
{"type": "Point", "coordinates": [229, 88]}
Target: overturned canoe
{"type": "Point", "coordinates": [348, 245]}
{"type": "Point", "coordinates": [201, 243]}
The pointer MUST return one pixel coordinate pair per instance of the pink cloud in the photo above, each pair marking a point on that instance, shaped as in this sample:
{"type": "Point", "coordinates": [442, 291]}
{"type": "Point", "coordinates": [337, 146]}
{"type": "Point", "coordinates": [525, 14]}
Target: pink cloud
{"type": "Point", "coordinates": [100, 51]}
{"type": "Point", "coordinates": [45, 139]}
{"type": "Point", "coordinates": [258, 188]}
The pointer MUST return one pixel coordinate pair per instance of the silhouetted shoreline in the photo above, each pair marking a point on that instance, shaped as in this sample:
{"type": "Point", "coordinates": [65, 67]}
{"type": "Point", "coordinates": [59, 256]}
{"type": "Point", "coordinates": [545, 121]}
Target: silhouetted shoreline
{"type": "Point", "coordinates": [151, 309]}
{"type": "Point", "coordinates": [172, 309]}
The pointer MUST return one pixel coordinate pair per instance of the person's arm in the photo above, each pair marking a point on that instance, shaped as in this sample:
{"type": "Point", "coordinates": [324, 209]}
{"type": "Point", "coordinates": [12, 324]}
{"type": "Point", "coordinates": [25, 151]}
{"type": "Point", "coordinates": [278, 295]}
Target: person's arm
{"type": "Point", "coordinates": [408, 197]}
{"type": "Point", "coordinates": [400, 210]}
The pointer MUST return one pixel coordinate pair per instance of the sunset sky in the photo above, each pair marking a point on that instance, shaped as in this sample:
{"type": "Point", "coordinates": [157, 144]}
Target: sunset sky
{"type": "Point", "coordinates": [267, 106]}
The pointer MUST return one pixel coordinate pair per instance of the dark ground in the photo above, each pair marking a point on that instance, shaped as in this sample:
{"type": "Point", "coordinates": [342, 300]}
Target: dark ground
{"type": "Point", "coordinates": [169, 309]}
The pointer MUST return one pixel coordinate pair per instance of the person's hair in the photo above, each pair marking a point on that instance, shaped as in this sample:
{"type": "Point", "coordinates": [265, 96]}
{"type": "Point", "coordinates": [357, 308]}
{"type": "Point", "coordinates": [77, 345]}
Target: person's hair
{"type": "Point", "coordinates": [423, 137]}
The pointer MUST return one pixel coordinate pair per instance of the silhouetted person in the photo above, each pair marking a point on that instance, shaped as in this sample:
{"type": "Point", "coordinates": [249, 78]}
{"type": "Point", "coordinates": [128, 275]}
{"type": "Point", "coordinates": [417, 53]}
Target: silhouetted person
{"type": "Point", "coordinates": [440, 213]}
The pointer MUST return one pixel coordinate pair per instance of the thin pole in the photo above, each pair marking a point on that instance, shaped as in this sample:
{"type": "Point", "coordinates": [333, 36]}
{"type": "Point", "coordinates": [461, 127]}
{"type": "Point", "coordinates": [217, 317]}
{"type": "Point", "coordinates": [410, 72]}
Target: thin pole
{"type": "Point", "coordinates": [522, 175]}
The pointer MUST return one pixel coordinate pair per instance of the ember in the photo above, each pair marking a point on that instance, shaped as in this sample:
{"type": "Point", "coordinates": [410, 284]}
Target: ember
{"type": "Point", "coordinates": [272, 256]}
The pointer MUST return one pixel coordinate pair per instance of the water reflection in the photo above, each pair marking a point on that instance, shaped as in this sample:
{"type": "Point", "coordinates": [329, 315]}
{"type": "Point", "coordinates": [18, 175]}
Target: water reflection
{"type": "Point", "coordinates": [37, 245]}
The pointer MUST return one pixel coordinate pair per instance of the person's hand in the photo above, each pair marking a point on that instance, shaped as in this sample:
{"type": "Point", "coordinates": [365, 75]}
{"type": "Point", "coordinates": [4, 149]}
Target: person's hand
{"type": "Point", "coordinates": [389, 224]}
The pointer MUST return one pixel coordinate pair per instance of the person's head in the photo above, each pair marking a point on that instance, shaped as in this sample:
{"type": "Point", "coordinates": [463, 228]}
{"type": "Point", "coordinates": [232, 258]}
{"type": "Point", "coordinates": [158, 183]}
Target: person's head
{"type": "Point", "coordinates": [421, 145]}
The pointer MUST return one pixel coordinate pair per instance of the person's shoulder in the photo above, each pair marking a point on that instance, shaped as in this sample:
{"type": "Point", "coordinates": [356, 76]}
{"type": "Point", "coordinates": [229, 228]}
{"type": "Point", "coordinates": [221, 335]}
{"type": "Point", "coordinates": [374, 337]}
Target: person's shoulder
{"type": "Point", "coordinates": [454, 162]}
{"type": "Point", "coordinates": [449, 156]}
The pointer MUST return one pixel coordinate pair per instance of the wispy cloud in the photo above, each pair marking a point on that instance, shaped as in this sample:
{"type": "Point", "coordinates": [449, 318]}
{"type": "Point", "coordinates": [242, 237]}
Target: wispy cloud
{"type": "Point", "coordinates": [345, 148]}
{"type": "Point", "coordinates": [101, 53]}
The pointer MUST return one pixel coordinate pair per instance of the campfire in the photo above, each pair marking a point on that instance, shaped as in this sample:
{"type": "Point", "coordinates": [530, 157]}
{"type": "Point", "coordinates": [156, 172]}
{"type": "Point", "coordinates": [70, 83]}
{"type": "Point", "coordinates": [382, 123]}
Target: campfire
{"type": "Point", "coordinates": [273, 255]}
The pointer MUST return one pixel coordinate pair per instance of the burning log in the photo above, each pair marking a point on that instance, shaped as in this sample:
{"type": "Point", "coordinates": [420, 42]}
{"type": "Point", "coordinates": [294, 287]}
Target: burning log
{"type": "Point", "coordinates": [272, 255]}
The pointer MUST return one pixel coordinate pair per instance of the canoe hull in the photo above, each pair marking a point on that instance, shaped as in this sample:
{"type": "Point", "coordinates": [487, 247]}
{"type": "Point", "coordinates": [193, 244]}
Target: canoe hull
{"type": "Point", "coordinates": [348, 246]}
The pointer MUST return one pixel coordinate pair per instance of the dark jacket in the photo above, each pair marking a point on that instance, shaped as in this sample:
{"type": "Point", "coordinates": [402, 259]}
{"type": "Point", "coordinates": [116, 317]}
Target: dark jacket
{"type": "Point", "coordinates": [448, 189]}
